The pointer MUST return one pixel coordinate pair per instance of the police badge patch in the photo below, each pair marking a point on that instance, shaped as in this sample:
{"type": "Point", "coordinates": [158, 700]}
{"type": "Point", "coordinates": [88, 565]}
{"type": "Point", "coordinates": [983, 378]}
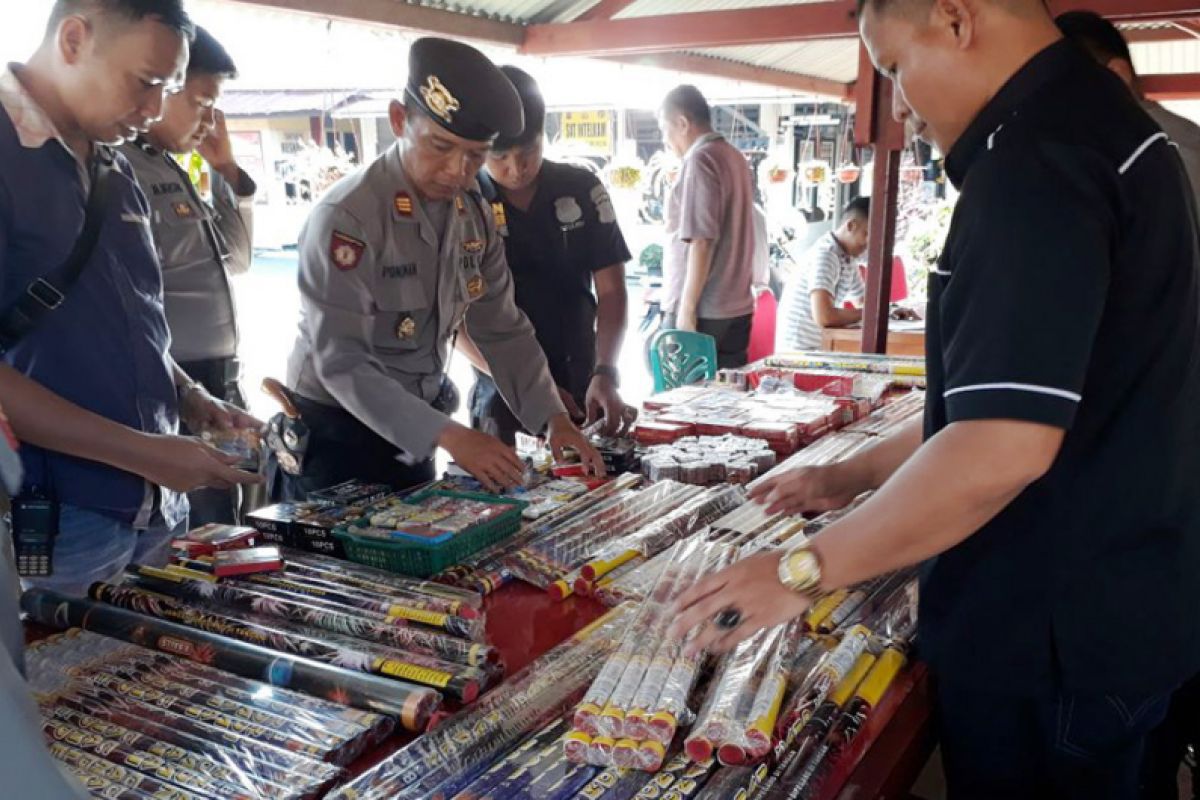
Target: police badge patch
{"type": "Point", "coordinates": [439, 100]}
{"type": "Point", "coordinates": [567, 210]}
{"type": "Point", "coordinates": [183, 210]}
{"type": "Point", "coordinates": [476, 287]}
{"type": "Point", "coordinates": [346, 251]}
{"type": "Point", "coordinates": [604, 206]}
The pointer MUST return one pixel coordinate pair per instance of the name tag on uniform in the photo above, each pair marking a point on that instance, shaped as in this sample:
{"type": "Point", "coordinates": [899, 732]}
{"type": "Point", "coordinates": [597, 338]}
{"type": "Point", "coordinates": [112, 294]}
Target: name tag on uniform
{"type": "Point", "coordinates": [400, 271]}
{"type": "Point", "coordinates": [136, 219]}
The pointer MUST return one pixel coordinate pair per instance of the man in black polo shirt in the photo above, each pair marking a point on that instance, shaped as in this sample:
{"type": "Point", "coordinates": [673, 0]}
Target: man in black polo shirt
{"type": "Point", "coordinates": [1052, 490]}
{"type": "Point", "coordinates": [561, 237]}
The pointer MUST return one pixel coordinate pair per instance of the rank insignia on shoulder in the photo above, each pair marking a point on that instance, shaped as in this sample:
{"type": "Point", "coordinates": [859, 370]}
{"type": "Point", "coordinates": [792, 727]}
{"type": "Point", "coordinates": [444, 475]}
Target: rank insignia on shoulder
{"type": "Point", "coordinates": [346, 251]}
{"type": "Point", "coordinates": [476, 287]}
{"type": "Point", "coordinates": [499, 214]}
{"type": "Point", "coordinates": [459, 204]}
{"type": "Point", "coordinates": [404, 204]}
{"type": "Point", "coordinates": [406, 328]}
{"type": "Point", "coordinates": [473, 246]}
{"type": "Point", "coordinates": [183, 210]}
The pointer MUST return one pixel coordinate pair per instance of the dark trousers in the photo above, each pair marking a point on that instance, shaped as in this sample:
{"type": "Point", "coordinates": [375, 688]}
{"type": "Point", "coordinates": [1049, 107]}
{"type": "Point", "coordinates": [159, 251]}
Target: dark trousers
{"type": "Point", "coordinates": [219, 376]}
{"type": "Point", "coordinates": [340, 448]}
{"type": "Point", "coordinates": [732, 335]}
{"type": "Point", "coordinates": [1169, 743]}
{"type": "Point", "coordinates": [1056, 747]}
{"type": "Point", "coordinates": [490, 414]}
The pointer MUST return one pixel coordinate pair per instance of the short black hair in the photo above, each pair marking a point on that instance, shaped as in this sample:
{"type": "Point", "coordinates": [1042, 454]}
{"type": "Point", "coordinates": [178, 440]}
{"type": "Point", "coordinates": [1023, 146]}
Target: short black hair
{"type": "Point", "coordinates": [169, 12]}
{"type": "Point", "coordinates": [687, 100]}
{"type": "Point", "coordinates": [533, 105]}
{"type": "Point", "coordinates": [859, 206]}
{"type": "Point", "coordinates": [209, 57]}
{"type": "Point", "coordinates": [1099, 37]}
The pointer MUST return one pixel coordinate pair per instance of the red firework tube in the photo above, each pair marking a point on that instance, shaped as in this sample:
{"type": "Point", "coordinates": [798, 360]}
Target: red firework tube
{"type": "Point", "coordinates": [135, 784]}
{"type": "Point", "coordinates": [317, 613]}
{"type": "Point", "coordinates": [273, 762]}
{"type": "Point", "coordinates": [462, 682]}
{"type": "Point", "coordinates": [177, 756]}
{"type": "Point", "coordinates": [141, 761]}
{"type": "Point", "coordinates": [410, 598]}
{"type": "Point", "coordinates": [335, 572]}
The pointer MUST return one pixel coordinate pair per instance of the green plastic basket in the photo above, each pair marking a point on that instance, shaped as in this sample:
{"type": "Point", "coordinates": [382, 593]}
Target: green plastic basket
{"type": "Point", "coordinates": [420, 560]}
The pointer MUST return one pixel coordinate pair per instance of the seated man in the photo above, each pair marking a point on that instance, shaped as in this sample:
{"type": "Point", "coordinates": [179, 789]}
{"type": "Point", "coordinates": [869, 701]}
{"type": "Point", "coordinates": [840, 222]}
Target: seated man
{"type": "Point", "coordinates": [828, 278]}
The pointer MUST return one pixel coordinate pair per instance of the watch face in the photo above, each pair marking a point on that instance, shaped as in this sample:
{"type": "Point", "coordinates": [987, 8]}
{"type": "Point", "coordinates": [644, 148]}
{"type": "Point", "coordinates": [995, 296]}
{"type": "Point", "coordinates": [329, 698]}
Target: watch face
{"type": "Point", "coordinates": [802, 568]}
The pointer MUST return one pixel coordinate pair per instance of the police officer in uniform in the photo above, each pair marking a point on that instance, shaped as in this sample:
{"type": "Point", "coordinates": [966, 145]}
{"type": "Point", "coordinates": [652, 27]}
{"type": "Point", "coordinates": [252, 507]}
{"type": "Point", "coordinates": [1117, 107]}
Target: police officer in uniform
{"type": "Point", "coordinates": [393, 261]}
{"type": "Point", "coordinates": [199, 245]}
{"type": "Point", "coordinates": [561, 237]}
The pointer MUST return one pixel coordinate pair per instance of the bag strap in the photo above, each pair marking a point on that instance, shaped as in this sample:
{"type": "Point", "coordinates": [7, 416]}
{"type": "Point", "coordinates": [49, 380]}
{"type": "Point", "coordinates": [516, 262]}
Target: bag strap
{"type": "Point", "coordinates": [48, 292]}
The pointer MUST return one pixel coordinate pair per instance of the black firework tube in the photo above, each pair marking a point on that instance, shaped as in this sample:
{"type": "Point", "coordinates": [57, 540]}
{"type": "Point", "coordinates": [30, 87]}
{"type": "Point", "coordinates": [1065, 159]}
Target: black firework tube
{"type": "Point", "coordinates": [136, 784]}
{"type": "Point", "coordinates": [511, 785]}
{"type": "Point", "coordinates": [99, 787]}
{"type": "Point", "coordinates": [278, 701]}
{"type": "Point", "coordinates": [412, 705]}
{"type": "Point", "coordinates": [519, 756]}
{"type": "Point", "coordinates": [679, 771]}
{"type": "Point", "coordinates": [218, 770]}
{"type": "Point", "coordinates": [149, 696]}
{"type": "Point", "coordinates": [296, 725]}
{"type": "Point", "coordinates": [560, 781]}
{"type": "Point", "coordinates": [275, 763]}
{"type": "Point", "coordinates": [316, 613]}
{"type": "Point", "coordinates": [458, 626]}
{"type": "Point", "coordinates": [143, 762]}
{"type": "Point", "coordinates": [727, 783]}
{"type": "Point", "coordinates": [374, 580]}
{"type": "Point", "coordinates": [613, 783]}
{"type": "Point", "coordinates": [468, 607]}
{"type": "Point", "coordinates": [462, 682]}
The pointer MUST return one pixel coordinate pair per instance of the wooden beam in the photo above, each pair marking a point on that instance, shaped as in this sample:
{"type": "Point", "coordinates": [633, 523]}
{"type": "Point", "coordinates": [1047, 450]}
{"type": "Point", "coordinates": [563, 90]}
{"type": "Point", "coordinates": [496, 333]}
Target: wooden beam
{"type": "Point", "coordinates": [1183, 86]}
{"type": "Point", "coordinates": [1132, 10]}
{"type": "Point", "coordinates": [605, 9]}
{"type": "Point", "coordinates": [885, 200]}
{"type": "Point", "coordinates": [733, 70]}
{"type": "Point", "coordinates": [401, 14]}
{"type": "Point", "coordinates": [691, 31]}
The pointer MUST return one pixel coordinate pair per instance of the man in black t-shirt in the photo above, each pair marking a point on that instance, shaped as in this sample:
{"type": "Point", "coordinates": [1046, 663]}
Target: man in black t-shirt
{"type": "Point", "coordinates": [562, 239]}
{"type": "Point", "coordinates": [1051, 490]}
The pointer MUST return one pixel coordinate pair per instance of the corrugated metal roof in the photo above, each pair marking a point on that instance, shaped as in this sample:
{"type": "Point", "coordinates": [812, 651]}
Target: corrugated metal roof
{"type": "Point", "coordinates": [654, 8]}
{"type": "Point", "coordinates": [284, 103]}
{"type": "Point", "coordinates": [835, 59]}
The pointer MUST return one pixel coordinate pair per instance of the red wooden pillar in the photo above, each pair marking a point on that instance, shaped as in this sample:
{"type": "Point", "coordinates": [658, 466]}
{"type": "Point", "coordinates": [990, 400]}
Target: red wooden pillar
{"type": "Point", "coordinates": [875, 126]}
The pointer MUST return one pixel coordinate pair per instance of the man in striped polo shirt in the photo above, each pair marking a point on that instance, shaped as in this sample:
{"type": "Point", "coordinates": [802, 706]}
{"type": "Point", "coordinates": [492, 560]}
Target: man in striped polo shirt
{"type": "Point", "coordinates": [815, 297]}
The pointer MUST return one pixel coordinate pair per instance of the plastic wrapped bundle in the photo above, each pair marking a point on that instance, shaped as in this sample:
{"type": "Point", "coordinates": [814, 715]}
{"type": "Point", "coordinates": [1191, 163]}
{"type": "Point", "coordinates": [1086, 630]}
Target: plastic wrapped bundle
{"type": "Point", "coordinates": [411, 705]}
{"type": "Point", "coordinates": [447, 759]}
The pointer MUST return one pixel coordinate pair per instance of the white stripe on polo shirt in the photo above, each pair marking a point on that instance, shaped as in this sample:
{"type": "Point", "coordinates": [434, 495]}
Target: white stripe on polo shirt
{"type": "Point", "coordinates": [1129, 162]}
{"type": "Point", "coordinates": [1015, 387]}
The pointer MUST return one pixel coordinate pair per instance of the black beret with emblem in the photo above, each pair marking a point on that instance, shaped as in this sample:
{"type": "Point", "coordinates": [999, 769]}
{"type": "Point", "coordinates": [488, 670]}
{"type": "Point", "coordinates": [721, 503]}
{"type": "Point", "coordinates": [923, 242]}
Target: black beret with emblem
{"type": "Point", "coordinates": [532, 104]}
{"type": "Point", "coordinates": [461, 90]}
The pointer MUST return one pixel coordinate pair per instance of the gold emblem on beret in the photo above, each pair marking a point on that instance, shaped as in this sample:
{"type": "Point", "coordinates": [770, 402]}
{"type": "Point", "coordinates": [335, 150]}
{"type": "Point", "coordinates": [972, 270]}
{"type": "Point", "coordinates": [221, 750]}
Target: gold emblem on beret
{"type": "Point", "coordinates": [406, 329]}
{"type": "Point", "coordinates": [475, 287]}
{"type": "Point", "coordinates": [439, 100]}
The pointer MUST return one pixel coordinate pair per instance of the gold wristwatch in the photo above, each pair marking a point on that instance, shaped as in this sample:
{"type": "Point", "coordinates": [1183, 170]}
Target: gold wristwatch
{"type": "Point", "coordinates": [800, 571]}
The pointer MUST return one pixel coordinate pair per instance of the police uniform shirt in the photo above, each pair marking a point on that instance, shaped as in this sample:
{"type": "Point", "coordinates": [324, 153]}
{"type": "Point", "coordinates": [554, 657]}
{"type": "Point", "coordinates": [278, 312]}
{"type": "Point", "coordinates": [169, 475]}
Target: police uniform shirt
{"type": "Point", "coordinates": [105, 347]}
{"type": "Point", "coordinates": [200, 246]}
{"type": "Point", "coordinates": [1066, 295]}
{"type": "Point", "coordinates": [569, 232]}
{"type": "Point", "coordinates": [383, 292]}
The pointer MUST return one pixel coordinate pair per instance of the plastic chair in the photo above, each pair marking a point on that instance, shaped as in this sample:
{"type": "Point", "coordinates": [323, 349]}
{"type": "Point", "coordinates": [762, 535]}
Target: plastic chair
{"type": "Point", "coordinates": [762, 331]}
{"type": "Point", "coordinates": [678, 358]}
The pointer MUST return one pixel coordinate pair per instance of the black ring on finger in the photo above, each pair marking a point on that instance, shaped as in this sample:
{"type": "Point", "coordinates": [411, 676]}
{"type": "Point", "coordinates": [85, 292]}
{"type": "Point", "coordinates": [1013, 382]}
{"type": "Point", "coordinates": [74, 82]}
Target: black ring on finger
{"type": "Point", "coordinates": [728, 619]}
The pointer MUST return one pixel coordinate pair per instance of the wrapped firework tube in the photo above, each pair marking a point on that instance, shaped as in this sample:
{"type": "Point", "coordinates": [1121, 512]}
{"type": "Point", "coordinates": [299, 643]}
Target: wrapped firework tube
{"type": "Point", "coordinates": [853, 600]}
{"type": "Point", "coordinates": [280, 701]}
{"type": "Point", "coordinates": [823, 608]}
{"type": "Point", "coordinates": [135, 784]}
{"type": "Point", "coordinates": [518, 756]}
{"type": "Point", "coordinates": [715, 723]}
{"type": "Point", "coordinates": [771, 690]}
{"type": "Point", "coordinates": [727, 783]}
{"type": "Point", "coordinates": [561, 785]}
{"type": "Point", "coordinates": [804, 737]}
{"type": "Point", "coordinates": [306, 777]}
{"type": "Point", "coordinates": [617, 574]}
{"type": "Point", "coordinates": [149, 696]}
{"type": "Point", "coordinates": [512, 784]}
{"type": "Point", "coordinates": [407, 598]}
{"type": "Point", "coordinates": [375, 580]}
{"type": "Point", "coordinates": [879, 598]}
{"type": "Point", "coordinates": [457, 626]}
{"type": "Point", "coordinates": [679, 774]}
{"type": "Point", "coordinates": [575, 746]}
{"type": "Point", "coordinates": [333, 735]}
{"type": "Point", "coordinates": [832, 669]}
{"type": "Point", "coordinates": [634, 585]}
{"type": "Point", "coordinates": [103, 788]}
{"type": "Point", "coordinates": [812, 775]}
{"type": "Point", "coordinates": [142, 761]}
{"type": "Point", "coordinates": [461, 682]}
{"type": "Point", "coordinates": [273, 763]}
{"type": "Point", "coordinates": [736, 748]}
{"type": "Point", "coordinates": [332, 618]}
{"type": "Point", "coordinates": [446, 759]}
{"type": "Point", "coordinates": [411, 704]}
{"type": "Point", "coordinates": [218, 770]}
{"type": "Point", "coordinates": [612, 784]}
{"type": "Point", "coordinates": [895, 621]}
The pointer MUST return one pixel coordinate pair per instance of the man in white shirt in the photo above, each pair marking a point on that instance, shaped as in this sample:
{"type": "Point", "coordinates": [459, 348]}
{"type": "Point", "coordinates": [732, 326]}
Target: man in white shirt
{"type": "Point", "coordinates": [827, 279]}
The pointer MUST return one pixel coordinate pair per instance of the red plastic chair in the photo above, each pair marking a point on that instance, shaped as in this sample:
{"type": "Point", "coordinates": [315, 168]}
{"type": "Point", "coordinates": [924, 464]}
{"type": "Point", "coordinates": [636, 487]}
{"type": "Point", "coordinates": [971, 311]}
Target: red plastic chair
{"type": "Point", "coordinates": [899, 280]}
